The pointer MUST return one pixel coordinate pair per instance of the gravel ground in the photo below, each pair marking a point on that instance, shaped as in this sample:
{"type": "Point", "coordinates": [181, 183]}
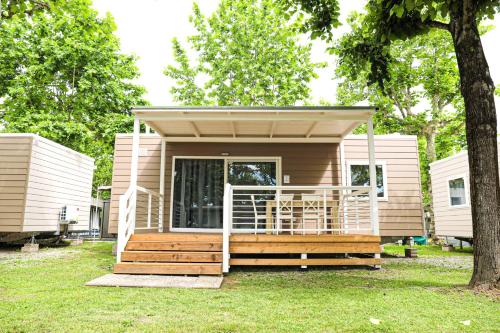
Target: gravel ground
{"type": "Point", "coordinates": [460, 262]}
{"type": "Point", "coordinates": [15, 254]}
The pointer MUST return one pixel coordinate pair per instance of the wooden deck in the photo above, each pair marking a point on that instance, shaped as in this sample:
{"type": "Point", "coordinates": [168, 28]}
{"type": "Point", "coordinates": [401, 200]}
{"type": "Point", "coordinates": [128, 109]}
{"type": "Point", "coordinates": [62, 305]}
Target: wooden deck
{"type": "Point", "coordinates": [201, 254]}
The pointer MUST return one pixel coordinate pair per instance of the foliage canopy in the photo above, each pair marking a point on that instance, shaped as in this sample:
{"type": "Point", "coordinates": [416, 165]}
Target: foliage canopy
{"type": "Point", "coordinates": [248, 54]}
{"type": "Point", "coordinates": [62, 75]}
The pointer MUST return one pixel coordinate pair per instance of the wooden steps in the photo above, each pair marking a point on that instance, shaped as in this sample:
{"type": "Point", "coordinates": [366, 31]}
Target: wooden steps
{"type": "Point", "coordinates": [172, 254]}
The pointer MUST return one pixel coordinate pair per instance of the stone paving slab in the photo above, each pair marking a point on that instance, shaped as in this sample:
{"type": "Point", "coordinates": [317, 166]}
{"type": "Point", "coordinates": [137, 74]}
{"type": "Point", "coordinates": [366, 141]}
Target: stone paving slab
{"type": "Point", "coordinates": [156, 281]}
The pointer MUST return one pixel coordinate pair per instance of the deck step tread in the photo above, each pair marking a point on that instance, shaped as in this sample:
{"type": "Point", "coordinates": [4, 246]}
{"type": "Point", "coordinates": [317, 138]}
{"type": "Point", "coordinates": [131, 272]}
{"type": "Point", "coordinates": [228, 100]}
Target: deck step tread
{"type": "Point", "coordinates": [174, 246]}
{"type": "Point", "coordinates": [168, 268]}
{"type": "Point", "coordinates": [177, 237]}
{"type": "Point", "coordinates": [171, 256]}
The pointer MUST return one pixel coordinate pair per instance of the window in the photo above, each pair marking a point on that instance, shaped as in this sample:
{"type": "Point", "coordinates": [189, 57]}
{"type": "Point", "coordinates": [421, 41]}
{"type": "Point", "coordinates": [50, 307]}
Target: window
{"type": "Point", "coordinates": [359, 175]}
{"type": "Point", "coordinates": [456, 190]}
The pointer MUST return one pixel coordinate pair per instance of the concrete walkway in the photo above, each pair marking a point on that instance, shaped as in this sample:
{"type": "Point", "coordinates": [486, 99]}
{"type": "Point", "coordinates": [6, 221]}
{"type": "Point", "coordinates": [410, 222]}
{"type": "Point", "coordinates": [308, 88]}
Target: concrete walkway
{"type": "Point", "coordinates": [157, 281]}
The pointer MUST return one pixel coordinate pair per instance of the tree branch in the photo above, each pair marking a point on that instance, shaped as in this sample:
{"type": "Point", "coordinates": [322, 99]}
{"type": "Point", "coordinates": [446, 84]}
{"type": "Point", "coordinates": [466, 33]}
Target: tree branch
{"type": "Point", "coordinates": [436, 24]}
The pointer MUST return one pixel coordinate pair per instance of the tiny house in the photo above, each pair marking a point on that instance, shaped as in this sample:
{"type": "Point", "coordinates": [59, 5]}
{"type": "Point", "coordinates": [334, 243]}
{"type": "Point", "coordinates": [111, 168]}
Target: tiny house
{"type": "Point", "coordinates": [216, 187]}
{"type": "Point", "coordinates": [44, 187]}
{"type": "Point", "coordinates": [451, 197]}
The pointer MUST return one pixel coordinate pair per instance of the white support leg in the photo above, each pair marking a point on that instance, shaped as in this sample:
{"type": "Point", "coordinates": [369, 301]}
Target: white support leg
{"type": "Point", "coordinates": [303, 256]}
{"type": "Point", "coordinates": [373, 182]}
{"type": "Point", "coordinates": [161, 204]}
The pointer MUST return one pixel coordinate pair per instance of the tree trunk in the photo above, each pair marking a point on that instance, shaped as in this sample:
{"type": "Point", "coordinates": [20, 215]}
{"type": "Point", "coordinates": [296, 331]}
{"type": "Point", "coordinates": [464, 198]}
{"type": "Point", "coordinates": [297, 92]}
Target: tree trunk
{"type": "Point", "coordinates": [430, 149]}
{"type": "Point", "coordinates": [481, 128]}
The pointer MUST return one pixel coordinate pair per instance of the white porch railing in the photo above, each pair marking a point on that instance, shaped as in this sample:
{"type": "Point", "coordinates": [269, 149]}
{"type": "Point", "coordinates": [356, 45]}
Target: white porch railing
{"type": "Point", "coordinates": [296, 210]}
{"type": "Point", "coordinates": [139, 209]}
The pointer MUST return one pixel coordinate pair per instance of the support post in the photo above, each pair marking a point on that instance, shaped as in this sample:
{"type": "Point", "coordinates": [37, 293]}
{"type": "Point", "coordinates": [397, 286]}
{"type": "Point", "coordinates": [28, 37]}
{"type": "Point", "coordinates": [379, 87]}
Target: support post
{"type": "Point", "coordinates": [161, 203]}
{"type": "Point", "coordinates": [373, 179]}
{"type": "Point", "coordinates": [135, 153]}
{"type": "Point", "coordinates": [373, 182]}
{"type": "Point", "coordinates": [226, 227]}
{"type": "Point", "coordinates": [134, 165]}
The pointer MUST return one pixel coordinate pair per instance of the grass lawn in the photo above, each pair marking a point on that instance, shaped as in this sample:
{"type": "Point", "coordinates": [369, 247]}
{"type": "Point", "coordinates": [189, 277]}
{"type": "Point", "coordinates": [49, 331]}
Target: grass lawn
{"type": "Point", "coordinates": [47, 295]}
{"type": "Point", "coordinates": [428, 250]}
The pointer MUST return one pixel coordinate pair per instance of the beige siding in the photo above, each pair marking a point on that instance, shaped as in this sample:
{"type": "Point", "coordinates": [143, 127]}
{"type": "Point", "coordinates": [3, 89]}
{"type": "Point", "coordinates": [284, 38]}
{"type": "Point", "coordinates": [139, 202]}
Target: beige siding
{"type": "Point", "coordinates": [58, 176]}
{"type": "Point", "coordinates": [401, 214]}
{"type": "Point", "coordinates": [450, 221]}
{"type": "Point", "coordinates": [307, 164]}
{"type": "Point", "coordinates": [14, 164]}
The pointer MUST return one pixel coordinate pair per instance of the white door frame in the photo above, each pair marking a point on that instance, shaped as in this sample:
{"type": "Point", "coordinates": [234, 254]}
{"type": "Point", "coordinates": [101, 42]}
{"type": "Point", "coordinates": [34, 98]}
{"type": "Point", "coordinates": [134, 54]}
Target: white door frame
{"type": "Point", "coordinates": [227, 160]}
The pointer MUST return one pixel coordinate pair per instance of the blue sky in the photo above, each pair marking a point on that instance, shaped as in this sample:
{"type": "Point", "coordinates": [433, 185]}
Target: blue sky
{"type": "Point", "coordinates": [147, 29]}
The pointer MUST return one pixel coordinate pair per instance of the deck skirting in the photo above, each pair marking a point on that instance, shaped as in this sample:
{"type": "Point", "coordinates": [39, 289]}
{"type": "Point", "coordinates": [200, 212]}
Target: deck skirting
{"type": "Point", "coordinates": [314, 250]}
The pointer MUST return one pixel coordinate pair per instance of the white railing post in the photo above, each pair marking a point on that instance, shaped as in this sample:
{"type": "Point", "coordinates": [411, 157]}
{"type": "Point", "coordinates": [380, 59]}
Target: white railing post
{"type": "Point", "coordinates": [356, 203]}
{"type": "Point", "coordinates": [149, 211]}
{"type": "Point", "coordinates": [122, 212]}
{"type": "Point", "coordinates": [161, 199]}
{"type": "Point", "coordinates": [278, 211]}
{"type": "Point", "coordinates": [325, 213]}
{"type": "Point", "coordinates": [126, 213]}
{"type": "Point", "coordinates": [373, 178]}
{"type": "Point", "coordinates": [226, 227]}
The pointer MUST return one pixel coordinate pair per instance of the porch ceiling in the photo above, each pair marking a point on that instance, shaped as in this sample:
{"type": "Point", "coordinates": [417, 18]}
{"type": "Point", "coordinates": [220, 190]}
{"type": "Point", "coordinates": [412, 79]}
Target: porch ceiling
{"type": "Point", "coordinates": [253, 124]}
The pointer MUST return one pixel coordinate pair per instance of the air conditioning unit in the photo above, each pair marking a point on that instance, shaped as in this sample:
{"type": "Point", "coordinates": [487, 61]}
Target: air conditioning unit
{"type": "Point", "coordinates": [69, 215]}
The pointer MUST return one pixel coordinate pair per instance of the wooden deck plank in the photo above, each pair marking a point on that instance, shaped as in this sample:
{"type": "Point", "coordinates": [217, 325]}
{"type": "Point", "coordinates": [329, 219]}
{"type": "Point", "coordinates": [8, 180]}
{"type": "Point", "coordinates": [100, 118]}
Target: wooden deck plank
{"type": "Point", "coordinates": [173, 246]}
{"type": "Point", "coordinates": [305, 238]}
{"type": "Point", "coordinates": [168, 268]}
{"type": "Point", "coordinates": [268, 247]}
{"type": "Point", "coordinates": [305, 262]}
{"type": "Point", "coordinates": [188, 237]}
{"type": "Point", "coordinates": [163, 256]}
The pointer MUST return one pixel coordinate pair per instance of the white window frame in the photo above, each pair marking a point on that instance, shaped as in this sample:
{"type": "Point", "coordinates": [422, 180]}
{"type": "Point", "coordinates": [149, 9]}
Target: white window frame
{"type": "Point", "coordinates": [381, 163]}
{"type": "Point", "coordinates": [226, 159]}
{"type": "Point", "coordinates": [466, 190]}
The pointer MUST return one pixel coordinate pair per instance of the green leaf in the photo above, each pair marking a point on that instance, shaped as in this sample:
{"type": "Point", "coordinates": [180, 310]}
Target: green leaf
{"type": "Point", "coordinates": [399, 10]}
{"type": "Point", "coordinates": [410, 5]}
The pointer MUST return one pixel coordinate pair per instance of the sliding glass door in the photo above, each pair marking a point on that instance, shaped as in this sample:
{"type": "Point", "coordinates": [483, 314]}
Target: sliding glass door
{"type": "Point", "coordinates": [198, 188]}
{"type": "Point", "coordinates": [198, 193]}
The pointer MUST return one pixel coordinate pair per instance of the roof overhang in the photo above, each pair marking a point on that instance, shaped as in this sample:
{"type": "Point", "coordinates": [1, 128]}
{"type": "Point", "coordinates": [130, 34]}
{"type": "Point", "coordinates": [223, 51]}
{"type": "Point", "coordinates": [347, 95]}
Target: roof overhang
{"type": "Point", "coordinates": [254, 124]}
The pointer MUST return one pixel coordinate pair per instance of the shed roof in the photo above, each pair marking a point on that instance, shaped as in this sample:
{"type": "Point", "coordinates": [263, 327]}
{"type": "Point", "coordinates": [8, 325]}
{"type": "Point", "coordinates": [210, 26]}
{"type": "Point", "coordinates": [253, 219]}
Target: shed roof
{"type": "Point", "coordinates": [254, 124]}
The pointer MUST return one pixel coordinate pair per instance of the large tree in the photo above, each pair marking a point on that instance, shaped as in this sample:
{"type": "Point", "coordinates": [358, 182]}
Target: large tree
{"type": "Point", "coordinates": [390, 20]}
{"type": "Point", "coordinates": [248, 54]}
{"type": "Point", "coordinates": [62, 75]}
{"type": "Point", "coordinates": [422, 96]}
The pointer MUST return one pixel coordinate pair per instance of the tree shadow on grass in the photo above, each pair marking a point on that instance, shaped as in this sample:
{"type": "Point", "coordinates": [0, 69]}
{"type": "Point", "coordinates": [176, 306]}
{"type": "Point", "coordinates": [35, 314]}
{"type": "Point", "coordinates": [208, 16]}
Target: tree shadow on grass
{"type": "Point", "coordinates": [339, 277]}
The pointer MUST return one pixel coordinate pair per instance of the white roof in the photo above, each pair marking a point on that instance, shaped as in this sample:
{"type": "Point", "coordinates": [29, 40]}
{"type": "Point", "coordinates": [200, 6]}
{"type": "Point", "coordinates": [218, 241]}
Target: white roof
{"type": "Point", "coordinates": [254, 124]}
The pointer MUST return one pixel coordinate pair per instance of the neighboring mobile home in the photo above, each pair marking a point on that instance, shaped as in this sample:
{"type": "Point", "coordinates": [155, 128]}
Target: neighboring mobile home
{"type": "Point", "coordinates": [451, 199]}
{"type": "Point", "coordinates": [259, 186]}
{"type": "Point", "coordinates": [39, 180]}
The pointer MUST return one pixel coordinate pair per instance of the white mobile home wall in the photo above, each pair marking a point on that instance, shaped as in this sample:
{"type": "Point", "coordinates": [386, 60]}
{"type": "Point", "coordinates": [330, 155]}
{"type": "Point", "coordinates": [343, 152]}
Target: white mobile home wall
{"type": "Point", "coordinates": [37, 178]}
{"type": "Point", "coordinates": [451, 221]}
